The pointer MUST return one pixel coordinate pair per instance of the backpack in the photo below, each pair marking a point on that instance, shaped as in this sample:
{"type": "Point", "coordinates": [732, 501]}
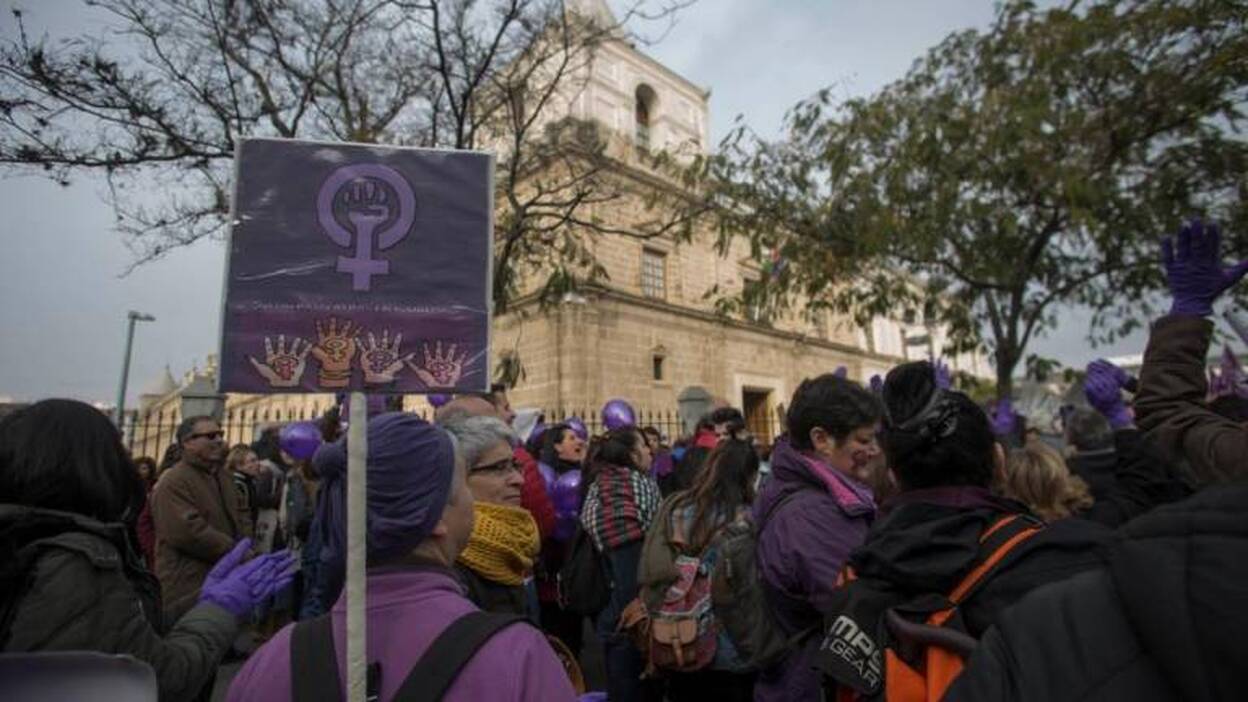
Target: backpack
{"type": "Point", "coordinates": [583, 586]}
{"type": "Point", "coordinates": [681, 634]}
{"type": "Point", "coordinates": [314, 662]}
{"type": "Point", "coordinates": [924, 643]}
{"type": "Point", "coordinates": [738, 597]}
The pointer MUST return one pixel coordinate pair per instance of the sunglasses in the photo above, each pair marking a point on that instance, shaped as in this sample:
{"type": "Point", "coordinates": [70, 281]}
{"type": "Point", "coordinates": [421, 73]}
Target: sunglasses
{"type": "Point", "coordinates": [504, 466]}
{"type": "Point", "coordinates": [210, 435]}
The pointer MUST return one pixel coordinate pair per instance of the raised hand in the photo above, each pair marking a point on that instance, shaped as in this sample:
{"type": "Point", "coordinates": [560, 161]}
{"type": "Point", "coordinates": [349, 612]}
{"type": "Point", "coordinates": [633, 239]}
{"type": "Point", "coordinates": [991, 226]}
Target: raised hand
{"type": "Point", "coordinates": [283, 366]}
{"type": "Point", "coordinates": [440, 370]}
{"type": "Point", "coordinates": [1103, 385]}
{"type": "Point", "coordinates": [334, 350]}
{"type": "Point", "coordinates": [940, 373]}
{"type": "Point", "coordinates": [1194, 269]}
{"type": "Point", "coordinates": [1004, 419]}
{"type": "Point", "coordinates": [381, 361]}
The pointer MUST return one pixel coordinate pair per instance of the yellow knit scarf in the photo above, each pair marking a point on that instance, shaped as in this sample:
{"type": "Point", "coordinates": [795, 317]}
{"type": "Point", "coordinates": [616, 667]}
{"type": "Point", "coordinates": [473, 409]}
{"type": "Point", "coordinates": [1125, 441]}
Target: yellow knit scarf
{"type": "Point", "coordinates": [503, 544]}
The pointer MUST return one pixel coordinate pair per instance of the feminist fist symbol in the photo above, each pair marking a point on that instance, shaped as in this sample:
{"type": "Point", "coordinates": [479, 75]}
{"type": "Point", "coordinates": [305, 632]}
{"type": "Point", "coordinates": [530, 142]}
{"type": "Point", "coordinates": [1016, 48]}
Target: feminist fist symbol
{"type": "Point", "coordinates": [283, 367]}
{"type": "Point", "coordinates": [440, 370]}
{"type": "Point", "coordinates": [334, 350]}
{"type": "Point", "coordinates": [381, 361]}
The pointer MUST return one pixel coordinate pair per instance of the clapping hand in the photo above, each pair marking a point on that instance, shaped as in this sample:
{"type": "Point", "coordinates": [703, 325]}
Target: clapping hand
{"type": "Point", "coordinates": [239, 588]}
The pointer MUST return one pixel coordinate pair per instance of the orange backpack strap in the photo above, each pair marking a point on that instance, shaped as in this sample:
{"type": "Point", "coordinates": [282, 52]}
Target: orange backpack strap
{"type": "Point", "coordinates": [944, 663]}
{"type": "Point", "coordinates": [995, 544]}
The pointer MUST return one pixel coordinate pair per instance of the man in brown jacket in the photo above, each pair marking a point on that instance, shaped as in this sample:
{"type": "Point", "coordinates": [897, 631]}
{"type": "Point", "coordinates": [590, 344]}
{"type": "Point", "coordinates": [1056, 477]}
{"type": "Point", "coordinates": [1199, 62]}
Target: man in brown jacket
{"type": "Point", "coordinates": [1171, 404]}
{"type": "Point", "coordinates": [197, 515]}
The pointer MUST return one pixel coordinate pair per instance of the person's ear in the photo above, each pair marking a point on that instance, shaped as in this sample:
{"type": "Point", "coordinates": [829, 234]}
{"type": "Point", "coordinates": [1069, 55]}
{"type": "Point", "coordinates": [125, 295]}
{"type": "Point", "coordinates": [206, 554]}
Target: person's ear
{"type": "Point", "coordinates": [818, 438]}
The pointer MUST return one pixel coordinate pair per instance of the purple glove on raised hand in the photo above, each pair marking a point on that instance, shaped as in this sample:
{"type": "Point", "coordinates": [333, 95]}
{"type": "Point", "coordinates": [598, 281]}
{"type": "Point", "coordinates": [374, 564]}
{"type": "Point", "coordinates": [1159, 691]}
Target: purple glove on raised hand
{"type": "Point", "coordinates": [940, 372]}
{"type": "Point", "coordinates": [1194, 270]}
{"type": "Point", "coordinates": [239, 588]}
{"type": "Point", "coordinates": [1004, 418]}
{"type": "Point", "coordinates": [1103, 387]}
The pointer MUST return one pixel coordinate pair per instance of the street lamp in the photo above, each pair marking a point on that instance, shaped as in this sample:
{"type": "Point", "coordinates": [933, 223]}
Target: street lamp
{"type": "Point", "coordinates": [131, 318]}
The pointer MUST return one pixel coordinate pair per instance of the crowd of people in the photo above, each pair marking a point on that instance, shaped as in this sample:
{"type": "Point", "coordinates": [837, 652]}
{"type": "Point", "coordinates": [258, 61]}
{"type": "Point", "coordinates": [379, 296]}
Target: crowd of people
{"type": "Point", "coordinates": [897, 541]}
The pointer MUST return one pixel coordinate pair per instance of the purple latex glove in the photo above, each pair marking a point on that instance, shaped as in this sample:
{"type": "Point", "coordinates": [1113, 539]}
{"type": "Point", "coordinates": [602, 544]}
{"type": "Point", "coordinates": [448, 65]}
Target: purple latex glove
{"type": "Point", "coordinates": [239, 588]}
{"type": "Point", "coordinates": [1194, 270]}
{"type": "Point", "coordinates": [1103, 387]}
{"type": "Point", "coordinates": [940, 372]}
{"type": "Point", "coordinates": [1004, 418]}
{"type": "Point", "coordinates": [877, 384]}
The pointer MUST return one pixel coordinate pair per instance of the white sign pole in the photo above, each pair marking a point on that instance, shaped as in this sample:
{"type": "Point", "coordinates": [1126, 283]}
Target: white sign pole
{"type": "Point", "coordinates": [357, 534]}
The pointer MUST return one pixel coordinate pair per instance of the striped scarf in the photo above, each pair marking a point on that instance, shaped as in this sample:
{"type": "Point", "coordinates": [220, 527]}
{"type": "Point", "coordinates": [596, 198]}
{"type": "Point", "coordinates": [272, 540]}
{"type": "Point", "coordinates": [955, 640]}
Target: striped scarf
{"type": "Point", "coordinates": [619, 507]}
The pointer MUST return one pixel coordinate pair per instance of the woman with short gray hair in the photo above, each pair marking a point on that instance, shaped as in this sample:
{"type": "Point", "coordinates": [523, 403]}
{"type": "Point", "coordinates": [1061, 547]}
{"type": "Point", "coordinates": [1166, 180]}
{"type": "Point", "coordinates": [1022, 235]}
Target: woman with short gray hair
{"type": "Point", "coordinates": [504, 541]}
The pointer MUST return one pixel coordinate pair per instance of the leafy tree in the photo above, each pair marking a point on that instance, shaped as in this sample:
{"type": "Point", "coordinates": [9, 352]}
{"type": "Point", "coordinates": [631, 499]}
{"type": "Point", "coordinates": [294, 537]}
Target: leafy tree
{"type": "Point", "coordinates": [1012, 171]}
{"type": "Point", "coordinates": [158, 107]}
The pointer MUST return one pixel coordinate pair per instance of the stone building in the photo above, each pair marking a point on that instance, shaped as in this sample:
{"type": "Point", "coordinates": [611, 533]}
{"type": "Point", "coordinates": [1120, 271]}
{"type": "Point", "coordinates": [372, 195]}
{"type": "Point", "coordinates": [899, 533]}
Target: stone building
{"type": "Point", "coordinates": [651, 330]}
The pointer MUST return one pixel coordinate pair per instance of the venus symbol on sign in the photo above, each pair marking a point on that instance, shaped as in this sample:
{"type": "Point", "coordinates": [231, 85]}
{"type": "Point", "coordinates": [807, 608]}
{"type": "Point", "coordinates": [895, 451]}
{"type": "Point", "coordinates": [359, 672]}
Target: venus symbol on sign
{"type": "Point", "coordinates": [379, 204]}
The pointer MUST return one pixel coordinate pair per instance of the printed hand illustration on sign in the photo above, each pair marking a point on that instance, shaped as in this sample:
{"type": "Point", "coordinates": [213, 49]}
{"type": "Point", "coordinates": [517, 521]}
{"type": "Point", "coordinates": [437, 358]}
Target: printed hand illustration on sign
{"type": "Point", "coordinates": [440, 370]}
{"type": "Point", "coordinates": [283, 366]}
{"type": "Point", "coordinates": [381, 361]}
{"type": "Point", "coordinates": [334, 350]}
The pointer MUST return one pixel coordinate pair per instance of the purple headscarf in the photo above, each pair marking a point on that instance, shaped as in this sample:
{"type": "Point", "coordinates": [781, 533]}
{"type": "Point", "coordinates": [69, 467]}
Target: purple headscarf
{"type": "Point", "coordinates": [410, 464]}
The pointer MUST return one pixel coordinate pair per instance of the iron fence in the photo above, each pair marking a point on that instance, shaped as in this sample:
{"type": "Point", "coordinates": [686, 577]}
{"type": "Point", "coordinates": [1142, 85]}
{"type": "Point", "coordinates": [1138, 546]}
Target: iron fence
{"type": "Point", "coordinates": [151, 433]}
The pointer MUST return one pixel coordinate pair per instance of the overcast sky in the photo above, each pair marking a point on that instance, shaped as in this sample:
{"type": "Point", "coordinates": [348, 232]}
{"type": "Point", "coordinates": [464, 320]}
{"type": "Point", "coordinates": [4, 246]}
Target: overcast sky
{"type": "Point", "coordinates": [64, 299]}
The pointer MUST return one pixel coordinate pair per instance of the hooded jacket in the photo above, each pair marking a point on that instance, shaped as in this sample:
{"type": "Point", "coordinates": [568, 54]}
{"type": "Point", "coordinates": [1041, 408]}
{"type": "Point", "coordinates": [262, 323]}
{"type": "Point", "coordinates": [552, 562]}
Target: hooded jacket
{"type": "Point", "coordinates": [71, 583]}
{"type": "Point", "coordinates": [1171, 406]}
{"type": "Point", "coordinates": [801, 549]}
{"type": "Point", "coordinates": [1161, 619]}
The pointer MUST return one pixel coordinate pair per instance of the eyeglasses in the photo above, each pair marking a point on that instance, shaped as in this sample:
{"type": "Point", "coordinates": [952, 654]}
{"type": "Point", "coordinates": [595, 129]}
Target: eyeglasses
{"type": "Point", "coordinates": [504, 466]}
{"type": "Point", "coordinates": [210, 435]}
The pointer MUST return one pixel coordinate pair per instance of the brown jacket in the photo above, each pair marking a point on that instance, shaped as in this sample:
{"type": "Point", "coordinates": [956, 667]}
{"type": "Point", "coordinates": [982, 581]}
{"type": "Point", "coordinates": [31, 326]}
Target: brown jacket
{"type": "Point", "coordinates": [198, 519]}
{"type": "Point", "coordinates": [1171, 405]}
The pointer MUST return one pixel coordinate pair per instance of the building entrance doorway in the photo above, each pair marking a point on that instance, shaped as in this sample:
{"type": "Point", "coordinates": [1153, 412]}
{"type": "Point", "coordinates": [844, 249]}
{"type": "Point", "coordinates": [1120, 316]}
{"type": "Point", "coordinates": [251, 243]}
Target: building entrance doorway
{"type": "Point", "coordinates": [757, 405]}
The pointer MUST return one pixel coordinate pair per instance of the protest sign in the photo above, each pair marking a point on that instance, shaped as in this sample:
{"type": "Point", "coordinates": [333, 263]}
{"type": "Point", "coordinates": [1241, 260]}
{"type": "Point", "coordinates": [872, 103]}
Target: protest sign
{"type": "Point", "coordinates": [357, 268]}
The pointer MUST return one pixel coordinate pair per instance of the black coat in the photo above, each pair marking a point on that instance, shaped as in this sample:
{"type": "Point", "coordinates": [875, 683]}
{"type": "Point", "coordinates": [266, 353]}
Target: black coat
{"type": "Point", "coordinates": [69, 583]}
{"type": "Point", "coordinates": [1138, 480]}
{"type": "Point", "coordinates": [1162, 619]}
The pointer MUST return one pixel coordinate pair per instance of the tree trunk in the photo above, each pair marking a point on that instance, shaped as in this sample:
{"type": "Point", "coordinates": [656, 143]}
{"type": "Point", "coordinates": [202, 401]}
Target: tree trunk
{"type": "Point", "coordinates": [1007, 359]}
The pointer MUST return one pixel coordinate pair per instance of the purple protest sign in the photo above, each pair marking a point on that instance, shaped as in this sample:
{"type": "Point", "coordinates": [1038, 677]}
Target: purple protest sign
{"type": "Point", "coordinates": [356, 267]}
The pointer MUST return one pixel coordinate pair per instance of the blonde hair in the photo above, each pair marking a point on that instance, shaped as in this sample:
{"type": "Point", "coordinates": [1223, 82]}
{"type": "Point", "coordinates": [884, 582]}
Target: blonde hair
{"type": "Point", "coordinates": [1037, 476]}
{"type": "Point", "coordinates": [237, 457]}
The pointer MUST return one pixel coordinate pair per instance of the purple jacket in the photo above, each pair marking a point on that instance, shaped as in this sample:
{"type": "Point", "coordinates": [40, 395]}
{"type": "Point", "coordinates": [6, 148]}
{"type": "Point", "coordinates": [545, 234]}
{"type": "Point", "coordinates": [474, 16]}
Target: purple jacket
{"type": "Point", "coordinates": [407, 609]}
{"type": "Point", "coordinates": [801, 549]}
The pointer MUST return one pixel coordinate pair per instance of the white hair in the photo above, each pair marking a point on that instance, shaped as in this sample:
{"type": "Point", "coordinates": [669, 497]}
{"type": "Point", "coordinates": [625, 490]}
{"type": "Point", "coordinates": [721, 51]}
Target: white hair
{"type": "Point", "coordinates": [477, 435]}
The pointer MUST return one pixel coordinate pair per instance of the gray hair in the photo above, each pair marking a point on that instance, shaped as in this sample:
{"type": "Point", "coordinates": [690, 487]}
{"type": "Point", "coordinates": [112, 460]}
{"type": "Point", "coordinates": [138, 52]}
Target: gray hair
{"type": "Point", "coordinates": [1087, 430]}
{"type": "Point", "coordinates": [477, 435]}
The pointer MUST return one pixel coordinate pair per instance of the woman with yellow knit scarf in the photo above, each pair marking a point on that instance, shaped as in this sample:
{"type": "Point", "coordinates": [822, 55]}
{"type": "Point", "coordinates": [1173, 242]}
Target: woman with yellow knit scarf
{"type": "Point", "coordinates": [504, 541]}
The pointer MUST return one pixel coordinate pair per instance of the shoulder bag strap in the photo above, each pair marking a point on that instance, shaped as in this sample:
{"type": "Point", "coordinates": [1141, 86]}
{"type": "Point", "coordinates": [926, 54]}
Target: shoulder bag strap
{"type": "Point", "coordinates": [438, 668]}
{"type": "Point", "coordinates": [313, 661]}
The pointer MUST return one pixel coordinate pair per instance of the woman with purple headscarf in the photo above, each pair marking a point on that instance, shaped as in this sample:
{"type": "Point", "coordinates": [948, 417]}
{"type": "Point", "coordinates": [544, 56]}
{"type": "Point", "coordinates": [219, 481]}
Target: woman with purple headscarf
{"type": "Point", "coordinates": [420, 517]}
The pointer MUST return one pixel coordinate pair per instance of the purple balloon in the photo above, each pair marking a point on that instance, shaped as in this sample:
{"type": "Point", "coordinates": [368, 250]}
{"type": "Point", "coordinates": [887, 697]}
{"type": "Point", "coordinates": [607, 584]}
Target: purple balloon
{"type": "Point", "coordinates": [438, 399]}
{"type": "Point", "coordinates": [578, 428]}
{"type": "Point", "coordinates": [566, 493]}
{"type": "Point", "coordinates": [617, 414]}
{"type": "Point", "coordinates": [300, 439]}
{"type": "Point", "coordinates": [548, 476]}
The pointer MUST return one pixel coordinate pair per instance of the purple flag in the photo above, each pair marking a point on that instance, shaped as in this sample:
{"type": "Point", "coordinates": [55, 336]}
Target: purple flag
{"type": "Point", "coordinates": [357, 267]}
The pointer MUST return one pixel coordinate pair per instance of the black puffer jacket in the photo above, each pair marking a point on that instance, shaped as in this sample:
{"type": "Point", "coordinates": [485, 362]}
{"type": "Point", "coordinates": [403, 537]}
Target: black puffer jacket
{"type": "Point", "coordinates": [1163, 619]}
{"type": "Point", "coordinates": [69, 583]}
